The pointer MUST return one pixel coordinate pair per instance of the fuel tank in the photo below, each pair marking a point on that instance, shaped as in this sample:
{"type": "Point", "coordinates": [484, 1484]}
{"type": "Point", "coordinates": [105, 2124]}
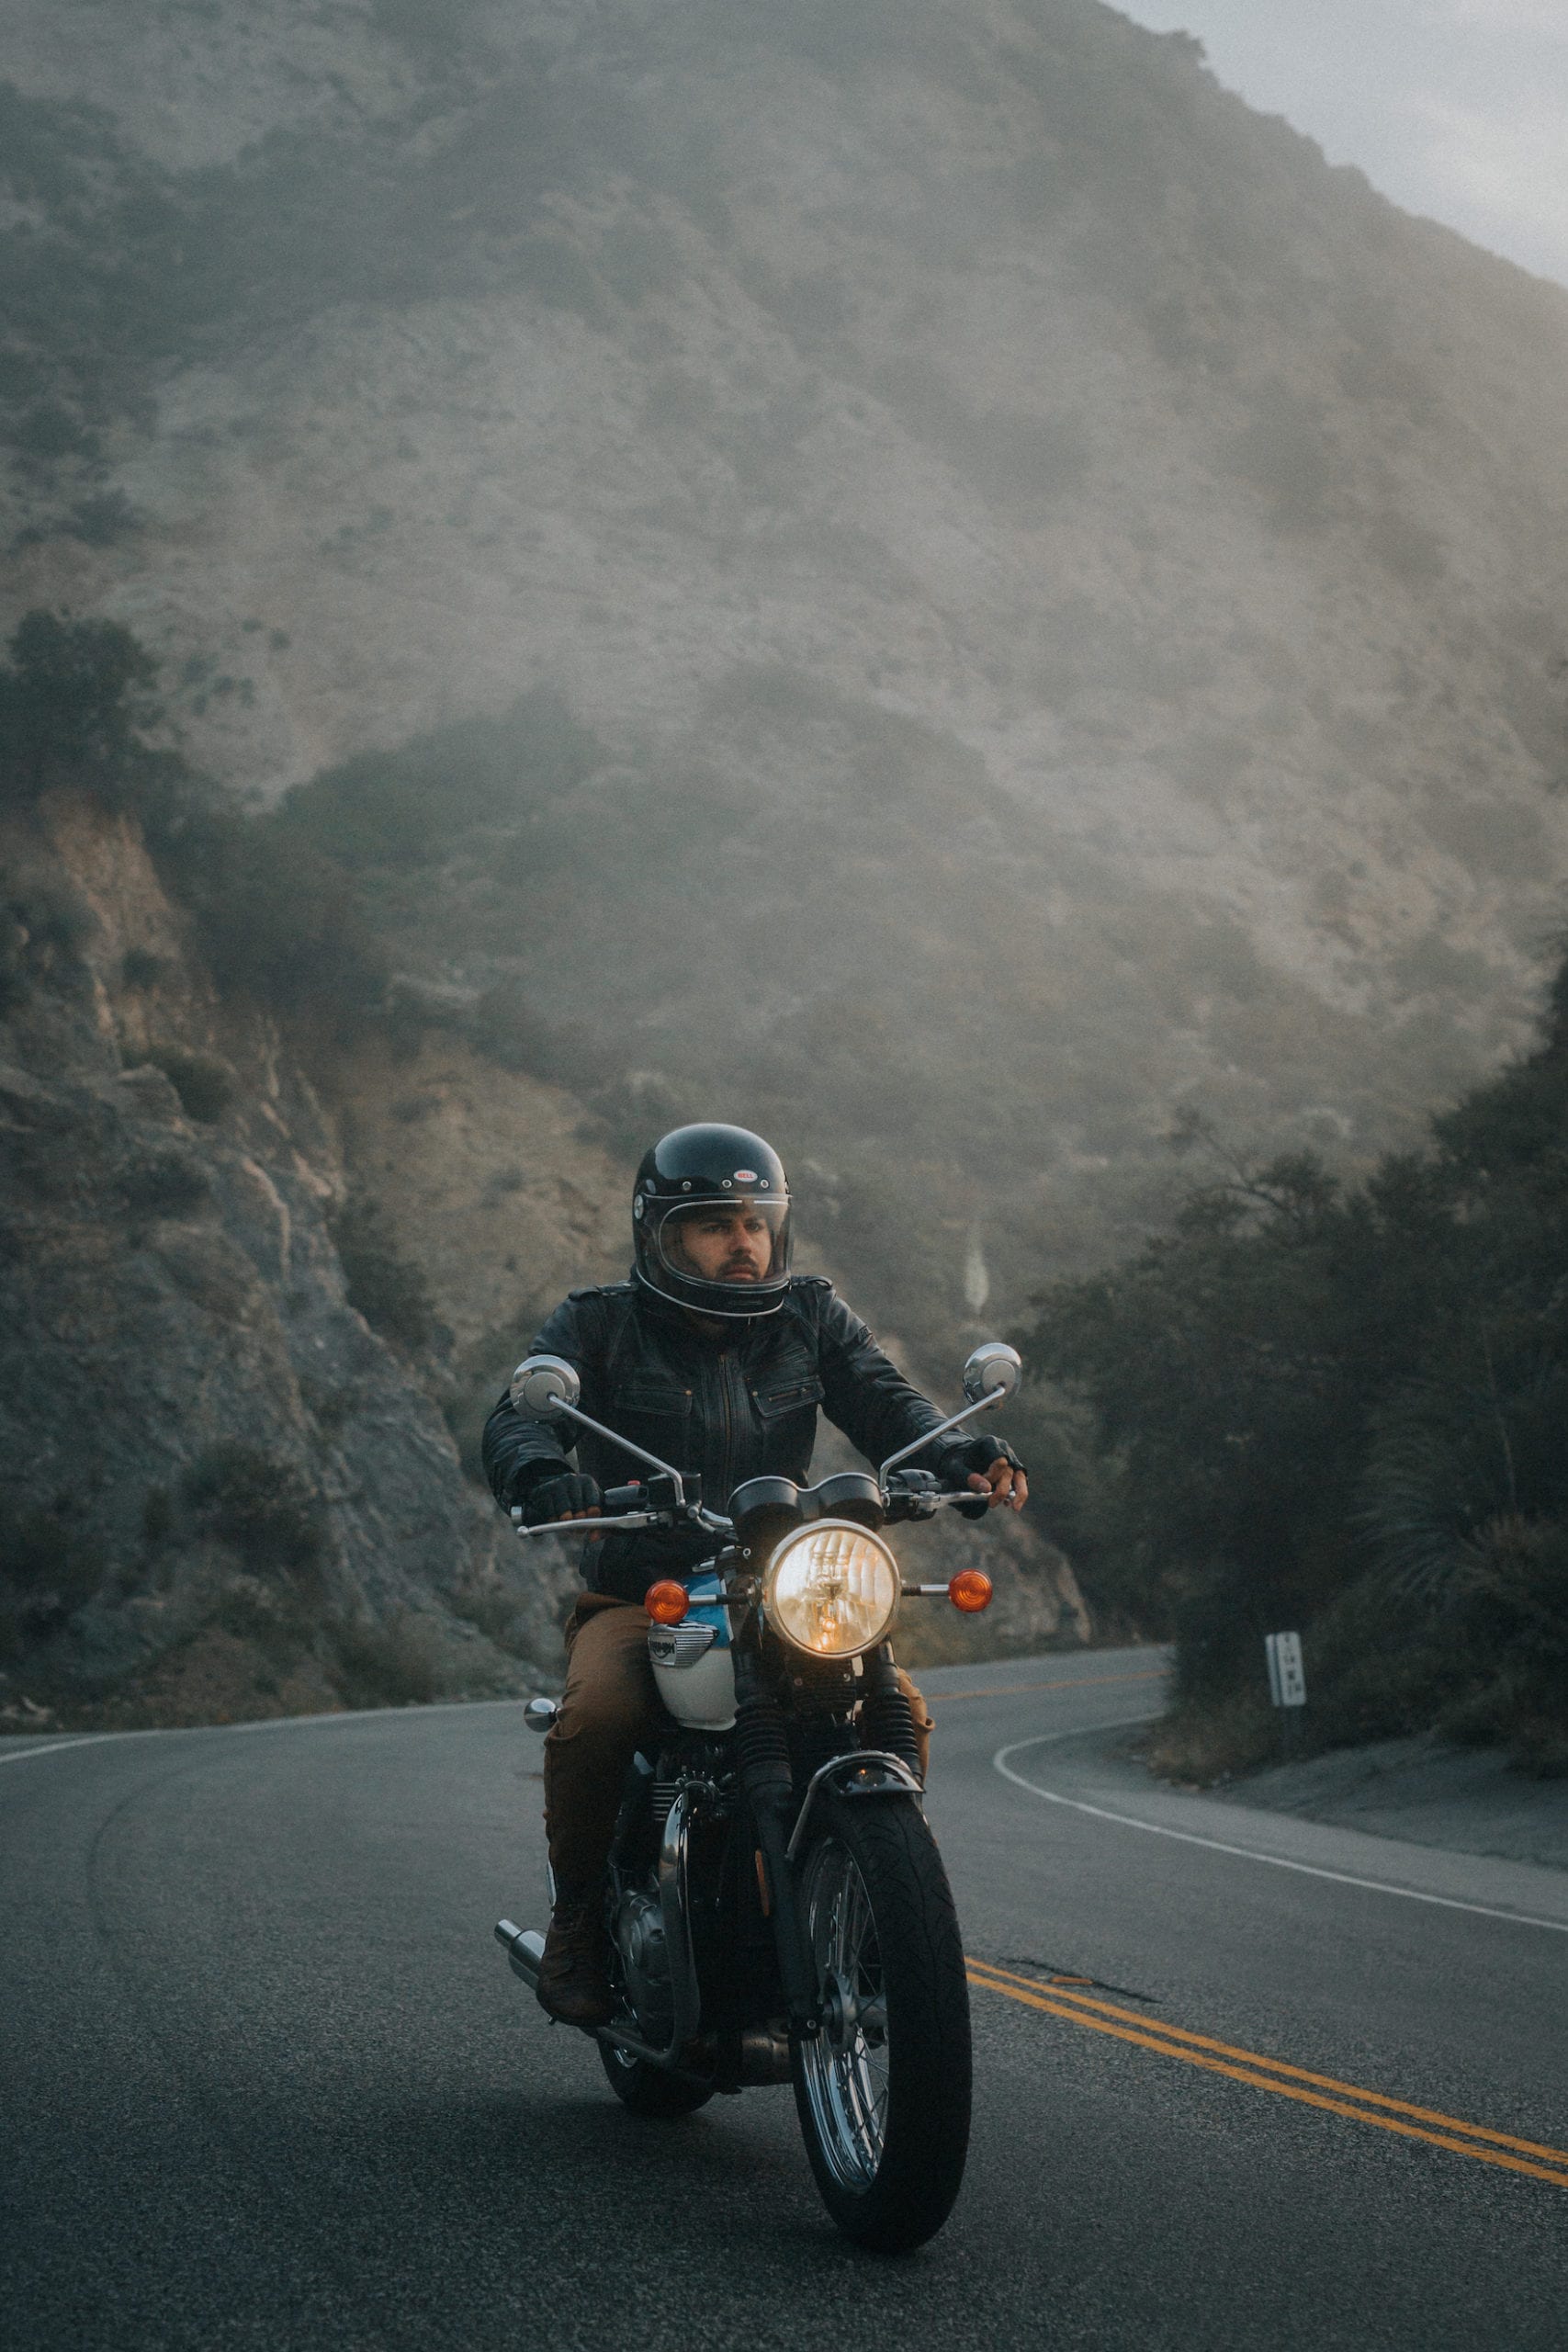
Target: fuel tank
{"type": "Point", "coordinates": [693, 1669]}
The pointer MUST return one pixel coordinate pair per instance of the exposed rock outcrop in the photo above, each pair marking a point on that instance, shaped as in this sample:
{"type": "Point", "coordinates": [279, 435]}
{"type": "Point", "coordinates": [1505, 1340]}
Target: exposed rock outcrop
{"type": "Point", "coordinates": [218, 1475]}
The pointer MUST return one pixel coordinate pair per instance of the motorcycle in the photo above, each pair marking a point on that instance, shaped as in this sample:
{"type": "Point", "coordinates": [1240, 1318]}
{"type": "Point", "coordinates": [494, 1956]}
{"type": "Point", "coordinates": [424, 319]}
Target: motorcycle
{"type": "Point", "coordinates": [776, 1906]}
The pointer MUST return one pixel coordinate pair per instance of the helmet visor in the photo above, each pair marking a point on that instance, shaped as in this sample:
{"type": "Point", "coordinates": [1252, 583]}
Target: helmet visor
{"type": "Point", "coordinates": [728, 1245]}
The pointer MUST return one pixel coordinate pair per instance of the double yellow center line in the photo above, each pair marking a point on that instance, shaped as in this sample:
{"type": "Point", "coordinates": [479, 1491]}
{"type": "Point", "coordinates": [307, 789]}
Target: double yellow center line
{"type": "Point", "coordinates": [1061, 1997]}
{"type": "Point", "coordinates": [1069, 1682]}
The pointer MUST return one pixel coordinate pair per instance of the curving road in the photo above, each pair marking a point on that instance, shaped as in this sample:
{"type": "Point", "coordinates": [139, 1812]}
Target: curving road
{"type": "Point", "coordinates": [1240, 2080]}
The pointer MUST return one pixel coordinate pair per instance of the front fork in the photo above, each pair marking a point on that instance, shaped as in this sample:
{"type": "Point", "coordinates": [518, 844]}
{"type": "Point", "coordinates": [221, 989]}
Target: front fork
{"type": "Point", "coordinates": [762, 1755]}
{"type": "Point", "coordinates": [886, 1719]}
{"type": "Point", "coordinates": [762, 1761]}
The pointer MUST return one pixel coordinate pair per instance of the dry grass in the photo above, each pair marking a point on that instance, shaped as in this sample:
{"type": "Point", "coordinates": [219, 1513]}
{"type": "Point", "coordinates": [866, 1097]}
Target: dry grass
{"type": "Point", "coordinates": [1197, 1746]}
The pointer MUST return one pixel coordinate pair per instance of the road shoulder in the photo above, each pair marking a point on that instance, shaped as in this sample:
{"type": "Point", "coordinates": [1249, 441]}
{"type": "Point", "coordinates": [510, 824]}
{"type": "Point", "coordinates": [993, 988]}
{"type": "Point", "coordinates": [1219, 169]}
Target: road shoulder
{"type": "Point", "coordinates": [1097, 1773]}
{"type": "Point", "coordinates": [1423, 1792]}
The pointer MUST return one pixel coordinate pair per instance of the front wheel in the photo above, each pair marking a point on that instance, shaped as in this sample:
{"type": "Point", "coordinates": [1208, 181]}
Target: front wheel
{"type": "Point", "coordinates": [884, 2089]}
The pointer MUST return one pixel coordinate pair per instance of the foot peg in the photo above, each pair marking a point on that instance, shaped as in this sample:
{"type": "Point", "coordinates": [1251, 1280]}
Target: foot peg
{"type": "Point", "coordinates": [525, 1948]}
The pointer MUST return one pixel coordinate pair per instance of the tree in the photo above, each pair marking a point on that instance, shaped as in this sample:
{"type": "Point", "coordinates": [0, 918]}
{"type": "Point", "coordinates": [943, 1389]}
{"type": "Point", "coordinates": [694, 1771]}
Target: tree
{"type": "Point", "coordinates": [1343, 1410]}
{"type": "Point", "coordinates": [78, 703]}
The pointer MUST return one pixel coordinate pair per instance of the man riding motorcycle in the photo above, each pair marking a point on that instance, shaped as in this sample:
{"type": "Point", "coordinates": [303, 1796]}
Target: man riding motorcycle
{"type": "Point", "coordinates": [713, 1356]}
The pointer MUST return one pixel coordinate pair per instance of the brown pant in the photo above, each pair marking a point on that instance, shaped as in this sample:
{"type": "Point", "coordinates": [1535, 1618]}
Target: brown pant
{"type": "Point", "coordinates": [608, 1708]}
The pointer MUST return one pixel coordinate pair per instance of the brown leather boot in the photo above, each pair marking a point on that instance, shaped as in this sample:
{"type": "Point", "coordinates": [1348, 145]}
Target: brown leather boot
{"type": "Point", "coordinates": [575, 1984]}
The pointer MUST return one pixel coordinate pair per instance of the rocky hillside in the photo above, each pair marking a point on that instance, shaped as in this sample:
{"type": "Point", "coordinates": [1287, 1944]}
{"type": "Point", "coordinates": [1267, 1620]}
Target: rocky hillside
{"type": "Point", "coordinates": [224, 1494]}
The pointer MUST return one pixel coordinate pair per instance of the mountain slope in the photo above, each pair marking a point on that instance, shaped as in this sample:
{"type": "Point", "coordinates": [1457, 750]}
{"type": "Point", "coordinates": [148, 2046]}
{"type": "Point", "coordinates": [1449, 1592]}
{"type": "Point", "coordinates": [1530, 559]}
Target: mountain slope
{"type": "Point", "coordinates": [977, 601]}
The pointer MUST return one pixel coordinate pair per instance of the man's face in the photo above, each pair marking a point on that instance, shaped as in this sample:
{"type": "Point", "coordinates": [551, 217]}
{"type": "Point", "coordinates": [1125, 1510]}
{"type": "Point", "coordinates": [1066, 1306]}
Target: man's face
{"type": "Point", "coordinates": [725, 1243]}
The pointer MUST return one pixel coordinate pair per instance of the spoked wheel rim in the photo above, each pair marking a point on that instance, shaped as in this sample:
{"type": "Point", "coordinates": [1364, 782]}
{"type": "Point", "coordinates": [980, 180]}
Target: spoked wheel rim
{"type": "Point", "coordinates": [845, 2066]}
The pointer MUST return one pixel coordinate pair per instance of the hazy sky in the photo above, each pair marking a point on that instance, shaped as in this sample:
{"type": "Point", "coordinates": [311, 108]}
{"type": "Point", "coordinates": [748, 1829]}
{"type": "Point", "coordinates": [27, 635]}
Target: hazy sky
{"type": "Point", "coordinates": [1458, 109]}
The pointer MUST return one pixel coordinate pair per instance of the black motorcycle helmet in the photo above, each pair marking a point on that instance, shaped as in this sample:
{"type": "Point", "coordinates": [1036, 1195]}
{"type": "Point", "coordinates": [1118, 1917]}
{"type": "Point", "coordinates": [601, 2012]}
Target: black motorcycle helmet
{"type": "Point", "coordinates": [710, 1221]}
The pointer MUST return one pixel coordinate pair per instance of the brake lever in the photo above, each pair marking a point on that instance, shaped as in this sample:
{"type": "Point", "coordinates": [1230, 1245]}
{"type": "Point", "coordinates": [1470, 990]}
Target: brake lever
{"type": "Point", "coordinates": [589, 1525]}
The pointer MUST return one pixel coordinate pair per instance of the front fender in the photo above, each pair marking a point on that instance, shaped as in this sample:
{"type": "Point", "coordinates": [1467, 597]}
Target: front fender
{"type": "Point", "coordinates": [866, 1773]}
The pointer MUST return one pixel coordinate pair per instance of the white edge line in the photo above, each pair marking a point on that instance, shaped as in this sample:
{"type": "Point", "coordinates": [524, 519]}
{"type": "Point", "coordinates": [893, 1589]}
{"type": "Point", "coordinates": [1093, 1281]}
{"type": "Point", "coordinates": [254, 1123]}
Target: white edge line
{"type": "Point", "coordinates": [55, 1748]}
{"type": "Point", "coordinates": [1246, 1853]}
{"type": "Point", "coordinates": [262, 1723]}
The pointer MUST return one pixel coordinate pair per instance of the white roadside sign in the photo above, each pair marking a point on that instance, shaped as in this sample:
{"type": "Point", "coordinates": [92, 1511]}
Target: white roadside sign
{"type": "Point", "coordinates": [1287, 1676]}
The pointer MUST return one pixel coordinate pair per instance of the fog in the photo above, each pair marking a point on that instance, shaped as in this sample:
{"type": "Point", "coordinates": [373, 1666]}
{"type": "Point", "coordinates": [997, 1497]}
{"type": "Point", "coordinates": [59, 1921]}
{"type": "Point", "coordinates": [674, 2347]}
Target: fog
{"type": "Point", "coordinates": [932, 584]}
{"type": "Point", "coordinates": [1457, 108]}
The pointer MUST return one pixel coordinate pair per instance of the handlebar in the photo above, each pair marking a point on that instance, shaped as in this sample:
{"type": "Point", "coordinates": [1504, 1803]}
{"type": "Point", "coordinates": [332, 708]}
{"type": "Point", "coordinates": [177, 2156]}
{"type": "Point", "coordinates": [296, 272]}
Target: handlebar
{"type": "Point", "coordinates": [618, 1515]}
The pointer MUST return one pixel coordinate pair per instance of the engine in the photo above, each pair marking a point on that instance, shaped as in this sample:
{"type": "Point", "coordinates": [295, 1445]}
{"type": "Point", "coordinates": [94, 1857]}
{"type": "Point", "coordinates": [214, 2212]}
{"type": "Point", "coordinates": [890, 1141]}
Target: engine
{"type": "Point", "coordinates": [645, 1960]}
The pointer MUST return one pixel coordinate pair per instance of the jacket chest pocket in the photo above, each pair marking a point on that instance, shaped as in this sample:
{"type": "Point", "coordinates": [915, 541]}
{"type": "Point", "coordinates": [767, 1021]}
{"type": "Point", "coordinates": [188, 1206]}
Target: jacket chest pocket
{"type": "Point", "coordinates": [791, 1391]}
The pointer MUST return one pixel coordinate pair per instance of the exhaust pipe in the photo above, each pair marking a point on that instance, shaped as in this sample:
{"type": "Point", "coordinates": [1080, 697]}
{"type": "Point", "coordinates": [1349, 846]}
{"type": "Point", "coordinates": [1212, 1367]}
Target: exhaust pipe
{"type": "Point", "coordinates": [525, 1948]}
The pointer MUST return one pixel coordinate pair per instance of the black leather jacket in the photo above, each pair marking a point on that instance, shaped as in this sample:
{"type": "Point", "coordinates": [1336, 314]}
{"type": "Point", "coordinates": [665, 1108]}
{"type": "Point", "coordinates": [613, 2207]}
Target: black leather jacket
{"type": "Point", "coordinates": [729, 1408]}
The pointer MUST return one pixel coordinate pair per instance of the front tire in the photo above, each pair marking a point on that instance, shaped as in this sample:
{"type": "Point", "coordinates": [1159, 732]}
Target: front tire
{"type": "Point", "coordinates": [649, 2090]}
{"type": "Point", "coordinates": [883, 2090]}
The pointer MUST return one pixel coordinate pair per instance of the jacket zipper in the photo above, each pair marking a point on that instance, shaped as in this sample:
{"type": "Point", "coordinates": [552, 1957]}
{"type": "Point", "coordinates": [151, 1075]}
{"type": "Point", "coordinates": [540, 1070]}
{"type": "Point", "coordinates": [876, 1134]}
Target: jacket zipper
{"type": "Point", "coordinates": [723, 1395]}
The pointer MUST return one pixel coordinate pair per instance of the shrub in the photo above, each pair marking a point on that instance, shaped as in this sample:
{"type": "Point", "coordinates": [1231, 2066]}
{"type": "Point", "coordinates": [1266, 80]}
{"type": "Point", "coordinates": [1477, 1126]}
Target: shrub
{"type": "Point", "coordinates": [331, 1408]}
{"type": "Point", "coordinates": [282, 1617]}
{"type": "Point", "coordinates": [405, 809]}
{"type": "Point", "coordinates": [56, 920]}
{"type": "Point", "coordinates": [166, 1185]}
{"type": "Point", "coordinates": [77, 705]}
{"type": "Point", "coordinates": [276, 920]}
{"type": "Point", "coordinates": [504, 1027]}
{"type": "Point", "coordinates": [494, 1611]}
{"type": "Point", "coordinates": [157, 1515]}
{"type": "Point", "coordinates": [140, 968]}
{"type": "Point", "coordinates": [204, 1083]}
{"type": "Point", "coordinates": [261, 1505]}
{"type": "Point", "coordinates": [44, 927]}
{"type": "Point", "coordinates": [387, 1288]}
{"type": "Point", "coordinates": [49, 431]}
{"type": "Point", "coordinates": [47, 1569]}
{"type": "Point", "coordinates": [15, 988]}
{"type": "Point", "coordinates": [394, 1665]}
{"type": "Point", "coordinates": [100, 520]}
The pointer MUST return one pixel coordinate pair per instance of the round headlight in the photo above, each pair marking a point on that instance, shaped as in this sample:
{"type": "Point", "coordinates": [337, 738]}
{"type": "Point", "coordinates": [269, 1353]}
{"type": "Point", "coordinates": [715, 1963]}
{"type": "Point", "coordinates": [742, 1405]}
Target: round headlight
{"type": "Point", "coordinates": [833, 1590]}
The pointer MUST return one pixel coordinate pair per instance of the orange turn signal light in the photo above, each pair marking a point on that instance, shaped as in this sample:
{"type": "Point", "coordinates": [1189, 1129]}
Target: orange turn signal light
{"type": "Point", "coordinates": [667, 1601]}
{"type": "Point", "coordinates": [970, 1590]}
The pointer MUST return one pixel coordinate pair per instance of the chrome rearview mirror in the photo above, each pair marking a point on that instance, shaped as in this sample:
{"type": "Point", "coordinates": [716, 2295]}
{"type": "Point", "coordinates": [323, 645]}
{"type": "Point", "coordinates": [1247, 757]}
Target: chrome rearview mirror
{"type": "Point", "coordinates": [993, 1374]}
{"type": "Point", "coordinates": [543, 1384]}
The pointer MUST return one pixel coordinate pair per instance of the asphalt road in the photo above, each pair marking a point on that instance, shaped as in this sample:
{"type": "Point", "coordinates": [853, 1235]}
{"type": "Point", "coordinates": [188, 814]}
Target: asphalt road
{"type": "Point", "coordinates": [268, 2081]}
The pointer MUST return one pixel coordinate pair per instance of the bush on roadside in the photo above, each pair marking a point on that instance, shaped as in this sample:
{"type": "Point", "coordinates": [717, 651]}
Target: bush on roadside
{"type": "Point", "coordinates": [397, 1664]}
{"type": "Point", "coordinates": [1341, 1409]}
{"type": "Point", "coordinates": [492, 1609]}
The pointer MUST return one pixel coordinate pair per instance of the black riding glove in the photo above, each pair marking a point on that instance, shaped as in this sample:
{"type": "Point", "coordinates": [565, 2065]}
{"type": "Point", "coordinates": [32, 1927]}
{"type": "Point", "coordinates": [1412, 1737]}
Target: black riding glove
{"type": "Point", "coordinates": [974, 1456]}
{"type": "Point", "coordinates": [560, 1497]}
